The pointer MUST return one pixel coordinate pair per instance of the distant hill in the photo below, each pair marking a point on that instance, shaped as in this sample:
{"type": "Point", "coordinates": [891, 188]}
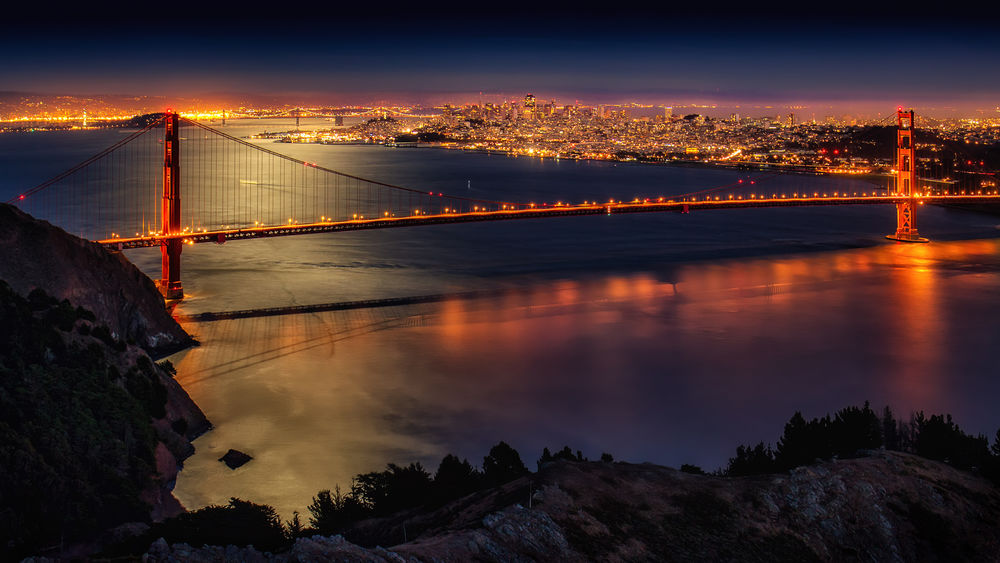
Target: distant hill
{"type": "Point", "coordinates": [143, 121]}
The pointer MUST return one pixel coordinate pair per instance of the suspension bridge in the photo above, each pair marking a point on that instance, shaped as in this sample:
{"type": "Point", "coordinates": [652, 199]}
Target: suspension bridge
{"type": "Point", "coordinates": [129, 195]}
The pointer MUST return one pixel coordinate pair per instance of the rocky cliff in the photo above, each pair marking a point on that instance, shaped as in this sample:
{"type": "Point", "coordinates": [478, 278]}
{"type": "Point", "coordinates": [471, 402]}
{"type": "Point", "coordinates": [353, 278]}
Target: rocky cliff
{"type": "Point", "coordinates": [34, 253]}
{"type": "Point", "coordinates": [91, 428]}
{"type": "Point", "coordinates": [889, 506]}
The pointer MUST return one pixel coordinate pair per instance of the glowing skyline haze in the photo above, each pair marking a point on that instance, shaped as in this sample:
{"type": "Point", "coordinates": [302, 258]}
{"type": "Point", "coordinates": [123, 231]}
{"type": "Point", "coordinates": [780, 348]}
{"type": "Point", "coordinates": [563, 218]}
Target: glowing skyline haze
{"type": "Point", "coordinates": [851, 58]}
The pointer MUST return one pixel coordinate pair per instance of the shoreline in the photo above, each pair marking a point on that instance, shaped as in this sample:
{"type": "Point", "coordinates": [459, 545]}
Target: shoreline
{"type": "Point", "coordinates": [684, 163]}
{"type": "Point", "coordinates": [692, 163]}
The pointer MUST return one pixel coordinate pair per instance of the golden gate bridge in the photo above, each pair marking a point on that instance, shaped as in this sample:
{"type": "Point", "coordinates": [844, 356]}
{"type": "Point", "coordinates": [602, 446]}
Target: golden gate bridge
{"type": "Point", "coordinates": [129, 195]}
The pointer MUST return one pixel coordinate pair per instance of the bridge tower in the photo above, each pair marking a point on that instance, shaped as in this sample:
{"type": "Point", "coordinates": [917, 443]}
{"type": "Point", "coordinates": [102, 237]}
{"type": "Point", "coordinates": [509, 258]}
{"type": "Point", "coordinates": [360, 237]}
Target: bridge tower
{"type": "Point", "coordinates": [170, 250]}
{"type": "Point", "coordinates": [906, 180]}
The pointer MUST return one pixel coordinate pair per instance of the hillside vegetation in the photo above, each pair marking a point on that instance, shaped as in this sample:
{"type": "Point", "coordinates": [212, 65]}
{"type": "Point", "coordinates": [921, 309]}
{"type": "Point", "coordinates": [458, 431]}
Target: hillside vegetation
{"type": "Point", "coordinates": [83, 426]}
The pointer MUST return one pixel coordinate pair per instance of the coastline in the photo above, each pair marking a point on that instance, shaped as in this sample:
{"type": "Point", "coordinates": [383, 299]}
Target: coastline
{"type": "Point", "coordinates": [673, 161]}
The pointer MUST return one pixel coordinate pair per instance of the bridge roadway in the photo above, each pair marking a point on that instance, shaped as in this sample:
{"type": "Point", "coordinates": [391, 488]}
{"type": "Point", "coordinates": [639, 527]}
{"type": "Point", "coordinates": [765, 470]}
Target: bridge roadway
{"type": "Point", "coordinates": [556, 210]}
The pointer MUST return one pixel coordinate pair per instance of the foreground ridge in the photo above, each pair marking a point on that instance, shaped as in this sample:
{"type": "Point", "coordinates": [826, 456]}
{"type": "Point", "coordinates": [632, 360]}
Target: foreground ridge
{"type": "Point", "coordinates": [889, 506]}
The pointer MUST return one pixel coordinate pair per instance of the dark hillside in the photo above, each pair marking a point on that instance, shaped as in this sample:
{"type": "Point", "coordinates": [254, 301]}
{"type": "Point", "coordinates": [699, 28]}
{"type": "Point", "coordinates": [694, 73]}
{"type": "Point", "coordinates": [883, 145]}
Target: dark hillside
{"type": "Point", "coordinates": [35, 254]}
{"type": "Point", "coordinates": [91, 430]}
{"type": "Point", "coordinates": [889, 506]}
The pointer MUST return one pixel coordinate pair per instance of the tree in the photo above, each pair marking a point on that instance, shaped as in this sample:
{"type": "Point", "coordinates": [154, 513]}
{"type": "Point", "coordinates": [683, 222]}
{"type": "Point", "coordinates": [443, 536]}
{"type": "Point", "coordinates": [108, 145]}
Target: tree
{"type": "Point", "coordinates": [804, 442]}
{"type": "Point", "coordinates": [756, 460]}
{"type": "Point", "coordinates": [394, 489]}
{"type": "Point", "coordinates": [891, 436]}
{"type": "Point", "coordinates": [855, 429]}
{"type": "Point", "coordinates": [323, 508]}
{"type": "Point", "coordinates": [546, 458]}
{"type": "Point", "coordinates": [991, 467]}
{"type": "Point", "coordinates": [938, 437]}
{"type": "Point", "coordinates": [239, 523]}
{"type": "Point", "coordinates": [455, 479]}
{"type": "Point", "coordinates": [294, 526]}
{"type": "Point", "coordinates": [503, 464]}
{"type": "Point", "coordinates": [851, 429]}
{"type": "Point", "coordinates": [409, 486]}
{"type": "Point", "coordinates": [332, 512]}
{"type": "Point", "coordinates": [567, 455]}
{"type": "Point", "coordinates": [77, 447]}
{"type": "Point", "coordinates": [692, 469]}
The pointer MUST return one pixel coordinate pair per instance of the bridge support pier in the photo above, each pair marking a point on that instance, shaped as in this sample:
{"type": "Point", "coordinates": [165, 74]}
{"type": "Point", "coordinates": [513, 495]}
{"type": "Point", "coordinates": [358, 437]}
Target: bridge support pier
{"type": "Point", "coordinates": [906, 181]}
{"type": "Point", "coordinates": [170, 249]}
{"type": "Point", "coordinates": [170, 267]}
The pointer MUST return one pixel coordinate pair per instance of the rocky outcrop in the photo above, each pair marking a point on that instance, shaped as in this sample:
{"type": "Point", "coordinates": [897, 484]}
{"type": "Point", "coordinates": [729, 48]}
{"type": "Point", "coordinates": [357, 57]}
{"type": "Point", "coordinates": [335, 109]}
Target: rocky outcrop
{"type": "Point", "coordinates": [318, 549]}
{"type": "Point", "coordinates": [34, 253]}
{"type": "Point", "coordinates": [183, 422]}
{"type": "Point", "coordinates": [235, 459]}
{"type": "Point", "coordinates": [888, 506]}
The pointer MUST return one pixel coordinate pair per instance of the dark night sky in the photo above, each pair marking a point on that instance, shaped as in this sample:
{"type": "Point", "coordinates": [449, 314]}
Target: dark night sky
{"type": "Point", "coordinates": [825, 53]}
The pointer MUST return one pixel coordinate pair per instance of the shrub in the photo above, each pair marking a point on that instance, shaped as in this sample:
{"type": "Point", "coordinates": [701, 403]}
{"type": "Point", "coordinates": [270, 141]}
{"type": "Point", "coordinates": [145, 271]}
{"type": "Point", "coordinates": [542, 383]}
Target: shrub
{"type": "Point", "coordinates": [239, 523]}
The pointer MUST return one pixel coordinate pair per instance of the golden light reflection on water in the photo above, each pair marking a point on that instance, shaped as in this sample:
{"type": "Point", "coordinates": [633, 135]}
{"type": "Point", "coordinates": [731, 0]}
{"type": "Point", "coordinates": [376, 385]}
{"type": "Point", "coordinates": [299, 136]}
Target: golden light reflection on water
{"type": "Point", "coordinates": [675, 366]}
{"type": "Point", "coordinates": [915, 335]}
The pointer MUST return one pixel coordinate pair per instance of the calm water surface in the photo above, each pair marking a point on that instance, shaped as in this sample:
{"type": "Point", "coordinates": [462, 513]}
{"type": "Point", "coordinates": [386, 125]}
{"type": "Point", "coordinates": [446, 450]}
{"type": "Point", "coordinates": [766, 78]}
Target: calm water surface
{"type": "Point", "coordinates": [664, 338]}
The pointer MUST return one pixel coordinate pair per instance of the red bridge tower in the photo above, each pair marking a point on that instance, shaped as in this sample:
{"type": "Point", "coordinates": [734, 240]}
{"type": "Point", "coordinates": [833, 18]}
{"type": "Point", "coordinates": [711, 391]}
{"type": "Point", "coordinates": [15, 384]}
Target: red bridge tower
{"type": "Point", "coordinates": [906, 181]}
{"type": "Point", "coordinates": [170, 250]}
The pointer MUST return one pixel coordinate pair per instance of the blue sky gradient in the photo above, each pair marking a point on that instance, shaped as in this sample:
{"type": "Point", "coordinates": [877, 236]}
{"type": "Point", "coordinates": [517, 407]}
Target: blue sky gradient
{"type": "Point", "coordinates": [782, 55]}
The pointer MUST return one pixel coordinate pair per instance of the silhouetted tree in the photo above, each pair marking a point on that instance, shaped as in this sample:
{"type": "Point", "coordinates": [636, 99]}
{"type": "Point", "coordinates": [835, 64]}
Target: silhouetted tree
{"type": "Point", "coordinates": [991, 467]}
{"type": "Point", "coordinates": [911, 430]}
{"type": "Point", "coordinates": [546, 458]}
{"type": "Point", "coordinates": [891, 437]}
{"type": "Point", "coordinates": [851, 429]}
{"type": "Point", "coordinates": [756, 460]}
{"type": "Point", "coordinates": [294, 526]}
{"type": "Point", "coordinates": [239, 523]}
{"type": "Point", "coordinates": [607, 458]}
{"type": "Point", "coordinates": [804, 442]}
{"type": "Point", "coordinates": [455, 479]}
{"type": "Point", "coordinates": [503, 464]}
{"type": "Point", "coordinates": [693, 469]}
{"type": "Point", "coordinates": [938, 437]}
{"type": "Point", "coordinates": [797, 445]}
{"type": "Point", "coordinates": [854, 429]}
{"type": "Point", "coordinates": [394, 489]}
{"type": "Point", "coordinates": [332, 512]}
{"type": "Point", "coordinates": [567, 455]}
{"type": "Point", "coordinates": [322, 508]}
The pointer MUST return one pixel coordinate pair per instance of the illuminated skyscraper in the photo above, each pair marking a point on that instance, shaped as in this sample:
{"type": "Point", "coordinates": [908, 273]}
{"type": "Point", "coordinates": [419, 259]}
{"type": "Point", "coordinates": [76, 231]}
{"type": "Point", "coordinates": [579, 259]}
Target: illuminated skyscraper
{"type": "Point", "coordinates": [529, 106]}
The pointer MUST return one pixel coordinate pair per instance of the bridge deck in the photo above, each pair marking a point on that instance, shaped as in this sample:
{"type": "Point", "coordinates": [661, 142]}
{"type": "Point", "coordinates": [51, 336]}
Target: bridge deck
{"type": "Point", "coordinates": [565, 210]}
